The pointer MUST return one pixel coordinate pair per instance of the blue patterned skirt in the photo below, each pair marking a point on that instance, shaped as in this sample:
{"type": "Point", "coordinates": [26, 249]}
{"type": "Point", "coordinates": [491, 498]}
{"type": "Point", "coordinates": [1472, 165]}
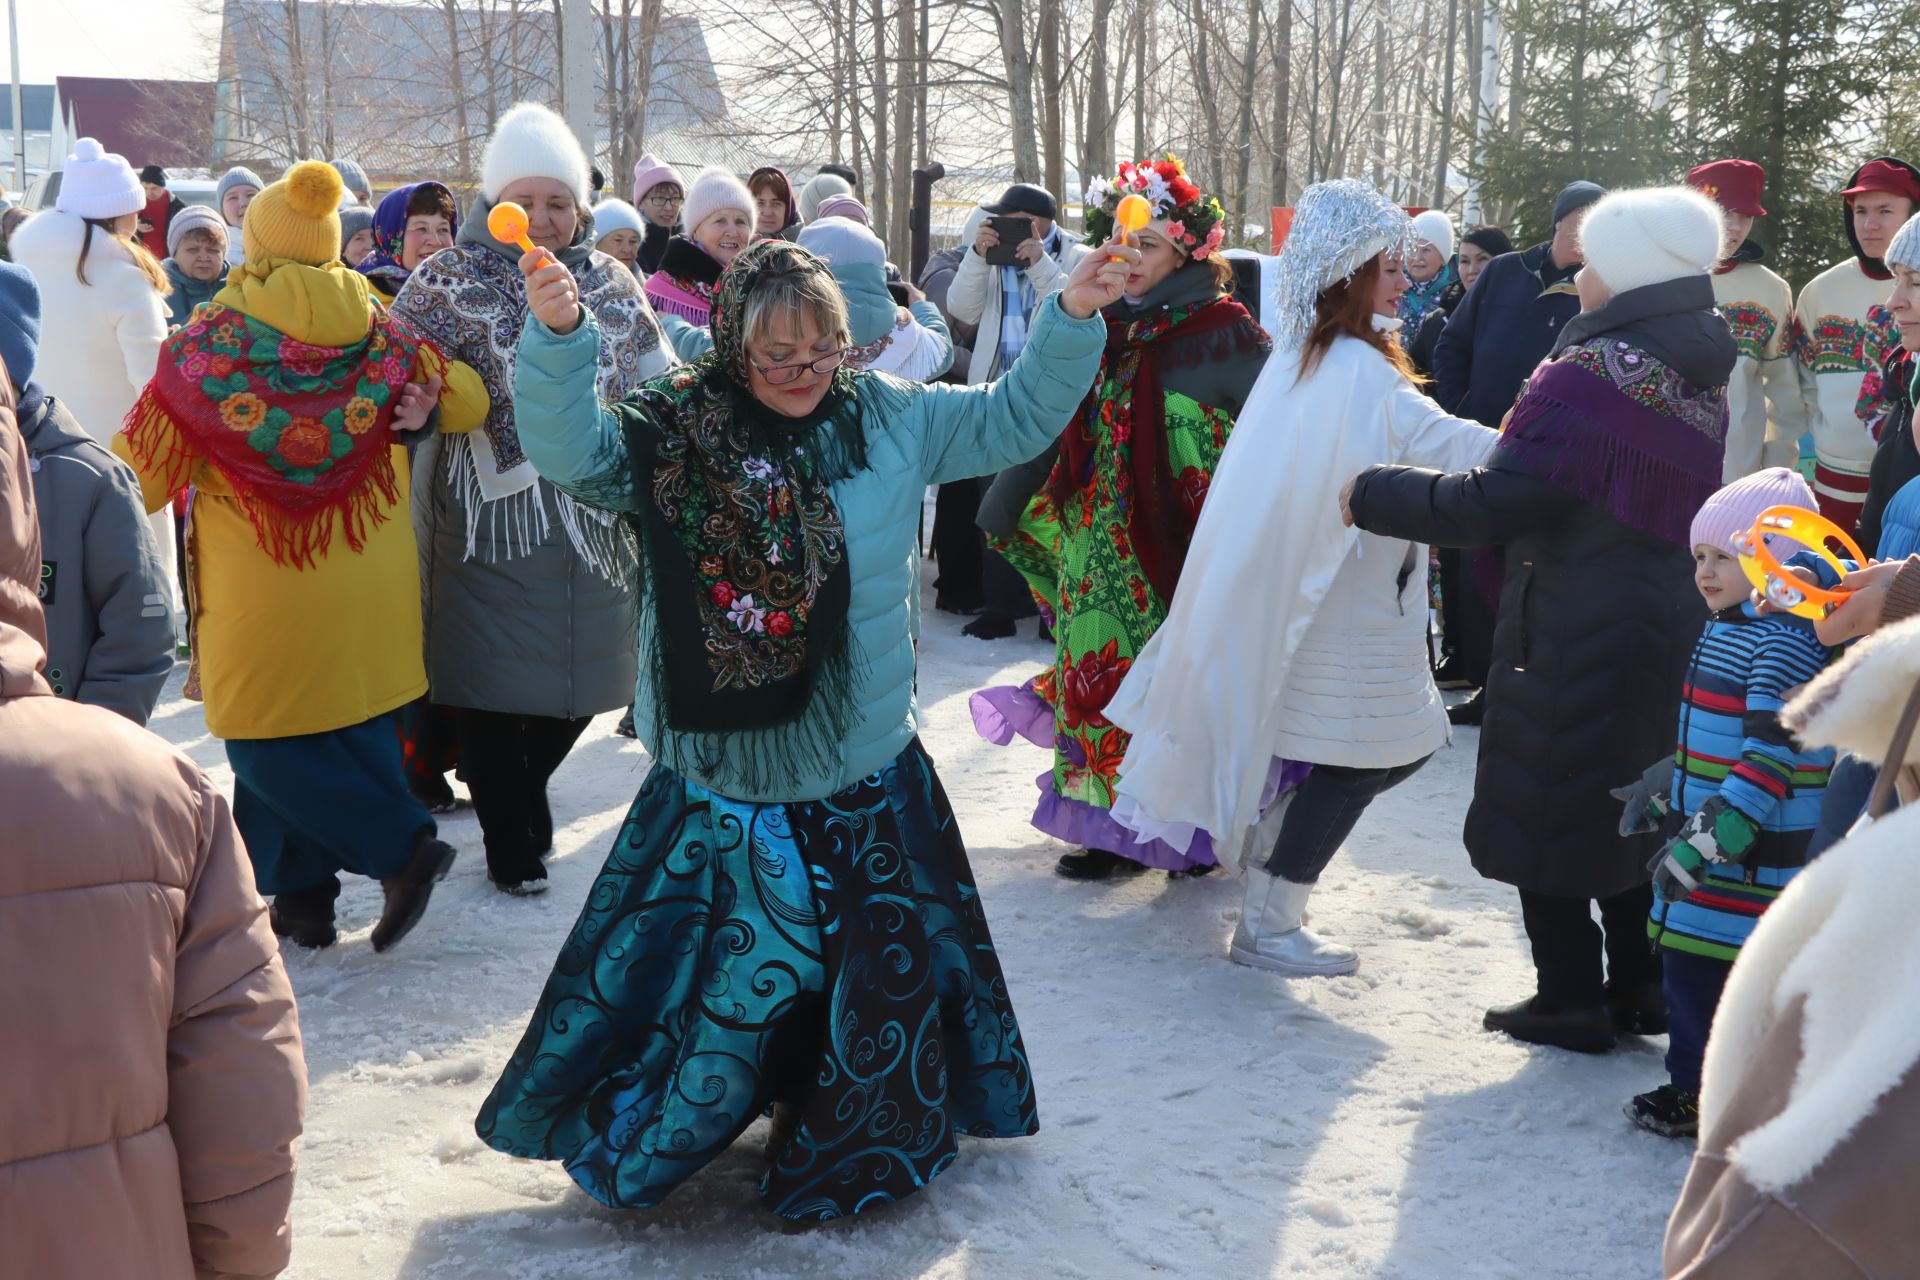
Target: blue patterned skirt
{"type": "Point", "coordinates": [830, 955]}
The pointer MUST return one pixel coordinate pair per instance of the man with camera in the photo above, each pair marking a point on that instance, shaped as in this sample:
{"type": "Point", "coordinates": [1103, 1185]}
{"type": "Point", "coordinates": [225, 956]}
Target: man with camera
{"type": "Point", "coordinates": [1018, 257]}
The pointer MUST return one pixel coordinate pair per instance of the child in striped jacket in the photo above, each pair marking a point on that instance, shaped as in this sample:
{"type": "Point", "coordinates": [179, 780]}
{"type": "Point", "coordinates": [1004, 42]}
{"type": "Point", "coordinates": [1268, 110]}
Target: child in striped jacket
{"type": "Point", "coordinates": [1745, 797]}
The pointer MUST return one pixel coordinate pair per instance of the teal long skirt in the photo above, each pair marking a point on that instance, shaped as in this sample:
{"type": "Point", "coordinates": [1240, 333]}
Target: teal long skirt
{"type": "Point", "coordinates": [831, 955]}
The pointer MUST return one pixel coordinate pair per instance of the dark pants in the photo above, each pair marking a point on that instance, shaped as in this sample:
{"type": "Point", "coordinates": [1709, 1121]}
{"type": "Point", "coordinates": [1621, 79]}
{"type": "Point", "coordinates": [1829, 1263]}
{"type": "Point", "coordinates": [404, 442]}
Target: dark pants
{"type": "Point", "coordinates": [959, 548]}
{"type": "Point", "coordinates": [1693, 986]}
{"type": "Point", "coordinates": [1848, 789]}
{"type": "Point", "coordinates": [313, 806]}
{"type": "Point", "coordinates": [1466, 619]}
{"type": "Point", "coordinates": [1324, 812]}
{"type": "Point", "coordinates": [1568, 946]}
{"type": "Point", "coordinates": [506, 761]}
{"type": "Point", "coordinates": [1005, 591]}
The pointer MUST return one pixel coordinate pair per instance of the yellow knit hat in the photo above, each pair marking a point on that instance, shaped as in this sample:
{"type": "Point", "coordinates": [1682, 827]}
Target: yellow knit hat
{"type": "Point", "coordinates": [297, 217]}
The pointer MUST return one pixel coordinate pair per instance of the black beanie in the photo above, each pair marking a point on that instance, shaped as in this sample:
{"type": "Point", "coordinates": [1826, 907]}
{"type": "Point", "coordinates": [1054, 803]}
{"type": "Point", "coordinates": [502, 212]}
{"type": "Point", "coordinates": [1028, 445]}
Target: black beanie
{"type": "Point", "coordinates": [155, 174]}
{"type": "Point", "coordinates": [1490, 240]}
{"type": "Point", "coordinates": [1576, 196]}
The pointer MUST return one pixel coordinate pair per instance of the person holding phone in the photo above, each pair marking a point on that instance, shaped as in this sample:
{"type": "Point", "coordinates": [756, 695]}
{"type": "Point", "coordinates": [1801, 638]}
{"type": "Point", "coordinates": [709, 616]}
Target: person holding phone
{"type": "Point", "coordinates": [1018, 257]}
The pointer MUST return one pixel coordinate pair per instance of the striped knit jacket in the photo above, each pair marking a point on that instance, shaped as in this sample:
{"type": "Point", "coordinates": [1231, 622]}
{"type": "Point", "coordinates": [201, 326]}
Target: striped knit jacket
{"type": "Point", "coordinates": [1733, 746]}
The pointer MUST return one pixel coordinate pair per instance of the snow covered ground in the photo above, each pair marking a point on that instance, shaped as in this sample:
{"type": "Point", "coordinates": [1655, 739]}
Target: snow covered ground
{"type": "Point", "coordinates": [1197, 1119]}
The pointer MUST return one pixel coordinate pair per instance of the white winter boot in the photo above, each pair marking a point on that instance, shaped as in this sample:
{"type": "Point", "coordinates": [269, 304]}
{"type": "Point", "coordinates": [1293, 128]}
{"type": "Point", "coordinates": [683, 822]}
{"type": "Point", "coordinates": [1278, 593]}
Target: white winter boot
{"type": "Point", "coordinates": [1272, 935]}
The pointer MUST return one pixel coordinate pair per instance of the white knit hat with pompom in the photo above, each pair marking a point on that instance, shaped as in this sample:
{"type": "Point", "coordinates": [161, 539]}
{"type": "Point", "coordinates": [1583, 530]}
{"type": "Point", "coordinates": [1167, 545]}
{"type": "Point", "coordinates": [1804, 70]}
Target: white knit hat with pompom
{"type": "Point", "coordinates": [95, 183]}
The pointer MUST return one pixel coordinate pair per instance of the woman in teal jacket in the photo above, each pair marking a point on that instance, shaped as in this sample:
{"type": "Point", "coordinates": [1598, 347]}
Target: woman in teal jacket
{"type": "Point", "coordinates": [787, 918]}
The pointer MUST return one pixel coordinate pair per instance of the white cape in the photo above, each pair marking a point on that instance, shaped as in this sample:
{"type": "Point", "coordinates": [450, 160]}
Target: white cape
{"type": "Point", "coordinates": [1203, 699]}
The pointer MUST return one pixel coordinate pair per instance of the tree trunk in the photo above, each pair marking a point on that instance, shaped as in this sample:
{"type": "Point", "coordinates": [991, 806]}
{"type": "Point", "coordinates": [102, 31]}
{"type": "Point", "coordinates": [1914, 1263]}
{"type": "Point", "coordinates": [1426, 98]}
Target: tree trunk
{"type": "Point", "coordinates": [1096, 159]}
{"type": "Point", "coordinates": [1019, 63]}
{"type": "Point", "coordinates": [1446, 108]}
{"type": "Point", "coordinates": [879, 180]}
{"type": "Point", "coordinates": [904, 56]}
{"type": "Point", "coordinates": [1140, 79]}
{"type": "Point", "coordinates": [923, 74]}
{"type": "Point", "coordinates": [1243, 124]}
{"type": "Point", "coordinates": [1517, 83]}
{"type": "Point", "coordinates": [1280, 137]}
{"type": "Point", "coordinates": [1051, 83]}
{"type": "Point", "coordinates": [1379, 99]}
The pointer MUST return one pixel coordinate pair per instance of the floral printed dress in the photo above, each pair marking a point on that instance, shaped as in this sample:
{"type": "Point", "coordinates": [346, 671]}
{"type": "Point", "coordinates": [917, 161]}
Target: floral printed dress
{"type": "Point", "coordinates": [1079, 559]}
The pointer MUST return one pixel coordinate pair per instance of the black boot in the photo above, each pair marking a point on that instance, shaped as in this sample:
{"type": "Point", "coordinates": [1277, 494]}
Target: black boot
{"type": "Point", "coordinates": [1581, 1029]}
{"type": "Point", "coordinates": [1639, 1011]}
{"type": "Point", "coordinates": [625, 728]}
{"type": "Point", "coordinates": [1095, 864]}
{"type": "Point", "coordinates": [408, 892]}
{"type": "Point", "coordinates": [1193, 872]}
{"type": "Point", "coordinates": [991, 625]}
{"type": "Point", "coordinates": [305, 916]}
{"type": "Point", "coordinates": [1669, 1111]}
{"type": "Point", "coordinates": [1471, 711]}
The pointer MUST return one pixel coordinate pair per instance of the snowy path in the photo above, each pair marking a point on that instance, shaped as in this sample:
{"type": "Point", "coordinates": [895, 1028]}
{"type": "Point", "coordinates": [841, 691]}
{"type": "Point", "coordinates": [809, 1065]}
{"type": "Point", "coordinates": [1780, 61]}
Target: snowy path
{"type": "Point", "coordinates": [1197, 1119]}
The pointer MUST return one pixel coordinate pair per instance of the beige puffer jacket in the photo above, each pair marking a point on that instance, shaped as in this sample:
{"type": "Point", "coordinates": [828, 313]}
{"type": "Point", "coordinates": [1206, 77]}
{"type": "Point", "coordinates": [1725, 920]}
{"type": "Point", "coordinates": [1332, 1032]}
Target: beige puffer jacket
{"type": "Point", "coordinates": [154, 1082]}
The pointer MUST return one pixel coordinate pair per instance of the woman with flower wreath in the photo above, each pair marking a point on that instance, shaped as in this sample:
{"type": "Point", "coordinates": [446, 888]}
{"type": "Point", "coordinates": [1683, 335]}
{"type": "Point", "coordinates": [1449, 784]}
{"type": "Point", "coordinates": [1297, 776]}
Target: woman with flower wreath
{"type": "Point", "coordinates": [1102, 543]}
{"type": "Point", "coordinates": [787, 917]}
{"type": "Point", "coordinates": [279, 402]}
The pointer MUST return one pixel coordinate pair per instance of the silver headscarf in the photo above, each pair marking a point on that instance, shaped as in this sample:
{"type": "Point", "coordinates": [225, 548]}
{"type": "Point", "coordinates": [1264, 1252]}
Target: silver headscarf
{"type": "Point", "coordinates": [1338, 227]}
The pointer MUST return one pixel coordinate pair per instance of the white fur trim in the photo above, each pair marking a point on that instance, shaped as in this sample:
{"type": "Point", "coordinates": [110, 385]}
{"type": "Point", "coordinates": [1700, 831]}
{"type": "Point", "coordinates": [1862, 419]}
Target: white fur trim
{"type": "Point", "coordinates": [1841, 939]}
{"type": "Point", "coordinates": [1856, 703]}
{"type": "Point", "coordinates": [532, 141]}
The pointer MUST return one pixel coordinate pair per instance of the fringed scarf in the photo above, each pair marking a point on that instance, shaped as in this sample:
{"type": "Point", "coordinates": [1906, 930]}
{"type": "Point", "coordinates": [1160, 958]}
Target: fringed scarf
{"type": "Point", "coordinates": [1617, 428]}
{"type": "Point", "coordinates": [747, 575]}
{"type": "Point", "coordinates": [684, 284]}
{"type": "Point", "coordinates": [1139, 352]}
{"type": "Point", "coordinates": [300, 432]}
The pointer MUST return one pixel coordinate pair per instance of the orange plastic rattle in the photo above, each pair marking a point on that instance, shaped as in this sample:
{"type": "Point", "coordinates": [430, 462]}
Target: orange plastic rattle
{"type": "Point", "coordinates": [1133, 215]}
{"type": "Point", "coordinates": [507, 223]}
{"type": "Point", "coordinates": [1780, 587]}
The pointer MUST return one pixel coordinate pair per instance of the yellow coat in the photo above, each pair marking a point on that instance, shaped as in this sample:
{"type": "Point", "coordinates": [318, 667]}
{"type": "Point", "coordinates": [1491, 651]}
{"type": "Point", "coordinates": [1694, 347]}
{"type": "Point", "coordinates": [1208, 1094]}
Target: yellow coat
{"type": "Point", "coordinates": [285, 651]}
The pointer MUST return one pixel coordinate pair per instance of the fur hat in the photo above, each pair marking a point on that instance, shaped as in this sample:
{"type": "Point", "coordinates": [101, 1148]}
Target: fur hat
{"type": "Point", "coordinates": [1636, 238]}
{"type": "Point", "coordinates": [195, 217]}
{"type": "Point", "coordinates": [1435, 228]}
{"type": "Point", "coordinates": [1734, 508]}
{"type": "Point", "coordinates": [712, 191]}
{"type": "Point", "coordinates": [297, 218]}
{"type": "Point", "coordinates": [98, 184]}
{"type": "Point", "coordinates": [532, 141]}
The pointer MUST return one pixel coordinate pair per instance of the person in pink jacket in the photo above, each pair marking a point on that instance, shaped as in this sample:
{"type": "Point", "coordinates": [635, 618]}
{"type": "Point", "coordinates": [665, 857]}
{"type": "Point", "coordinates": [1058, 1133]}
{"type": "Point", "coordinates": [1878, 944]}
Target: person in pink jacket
{"type": "Point", "coordinates": [148, 1041]}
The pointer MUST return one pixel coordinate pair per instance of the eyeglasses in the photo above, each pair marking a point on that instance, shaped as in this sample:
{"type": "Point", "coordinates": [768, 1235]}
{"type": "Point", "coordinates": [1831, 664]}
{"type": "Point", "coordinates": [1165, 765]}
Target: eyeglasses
{"type": "Point", "coordinates": [666, 202]}
{"type": "Point", "coordinates": [780, 375]}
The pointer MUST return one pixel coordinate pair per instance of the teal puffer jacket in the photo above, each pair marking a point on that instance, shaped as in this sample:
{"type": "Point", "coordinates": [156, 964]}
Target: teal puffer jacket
{"type": "Point", "coordinates": [928, 434]}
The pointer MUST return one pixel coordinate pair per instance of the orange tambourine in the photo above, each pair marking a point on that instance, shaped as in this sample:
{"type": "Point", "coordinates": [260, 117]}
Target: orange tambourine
{"type": "Point", "coordinates": [1772, 580]}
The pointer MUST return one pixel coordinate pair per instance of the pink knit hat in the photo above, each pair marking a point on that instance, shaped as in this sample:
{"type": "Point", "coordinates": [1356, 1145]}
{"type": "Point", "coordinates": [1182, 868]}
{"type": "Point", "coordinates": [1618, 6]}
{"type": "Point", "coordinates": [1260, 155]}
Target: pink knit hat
{"type": "Point", "coordinates": [844, 207]}
{"type": "Point", "coordinates": [650, 172]}
{"type": "Point", "coordinates": [1734, 509]}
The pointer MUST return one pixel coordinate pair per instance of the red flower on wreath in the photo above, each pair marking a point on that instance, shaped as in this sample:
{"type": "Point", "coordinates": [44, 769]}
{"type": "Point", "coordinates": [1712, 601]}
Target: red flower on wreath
{"type": "Point", "coordinates": [1192, 489]}
{"type": "Point", "coordinates": [305, 443]}
{"type": "Point", "coordinates": [1184, 193]}
{"type": "Point", "coordinates": [1091, 683]}
{"type": "Point", "coordinates": [779, 625]}
{"type": "Point", "coordinates": [723, 594]}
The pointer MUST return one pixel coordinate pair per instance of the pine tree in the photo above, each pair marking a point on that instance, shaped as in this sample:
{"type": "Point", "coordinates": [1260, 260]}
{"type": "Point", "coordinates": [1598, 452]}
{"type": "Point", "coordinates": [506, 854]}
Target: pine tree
{"type": "Point", "coordinates": [1587, 115]}
{"type": "Point", "coordinates": [1777, 81]}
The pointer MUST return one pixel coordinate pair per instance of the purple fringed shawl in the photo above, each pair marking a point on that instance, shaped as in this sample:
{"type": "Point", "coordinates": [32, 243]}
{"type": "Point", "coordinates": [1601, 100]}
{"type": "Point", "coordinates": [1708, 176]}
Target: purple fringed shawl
{"type": "Point", "coordinates": [1618, 429]}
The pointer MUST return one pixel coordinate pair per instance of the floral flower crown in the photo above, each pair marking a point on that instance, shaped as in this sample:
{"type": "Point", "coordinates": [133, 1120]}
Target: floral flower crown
{"type": "Point", "coordinates": [1194, 218]}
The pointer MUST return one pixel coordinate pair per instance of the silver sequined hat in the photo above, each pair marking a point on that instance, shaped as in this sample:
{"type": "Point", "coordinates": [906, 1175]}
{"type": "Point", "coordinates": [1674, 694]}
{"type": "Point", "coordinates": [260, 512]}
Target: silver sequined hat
{"type": "Point", "coordinates": [1338, 227]}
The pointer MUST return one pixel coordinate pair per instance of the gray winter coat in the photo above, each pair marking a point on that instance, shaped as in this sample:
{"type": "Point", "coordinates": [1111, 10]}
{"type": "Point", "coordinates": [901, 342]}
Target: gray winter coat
{"type": "Point", "coordinates": [102, 582]}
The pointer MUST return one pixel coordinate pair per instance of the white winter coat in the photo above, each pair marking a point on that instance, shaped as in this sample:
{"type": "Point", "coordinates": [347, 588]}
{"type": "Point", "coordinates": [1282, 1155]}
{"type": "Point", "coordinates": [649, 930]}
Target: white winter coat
{"type": "Point", "coordinates": [1291, 634]}
{"type": "Point", "coordinates": [99, 341]}
{"type": "Point", "coordinates": [974, 296]}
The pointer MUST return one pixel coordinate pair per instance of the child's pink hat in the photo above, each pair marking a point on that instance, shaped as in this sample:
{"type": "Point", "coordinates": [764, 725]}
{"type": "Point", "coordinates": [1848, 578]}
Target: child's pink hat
{"type": "Point", "coordinates": [1734, 509]}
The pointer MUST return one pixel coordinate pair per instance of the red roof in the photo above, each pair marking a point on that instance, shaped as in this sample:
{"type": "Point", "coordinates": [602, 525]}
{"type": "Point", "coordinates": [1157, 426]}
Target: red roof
{"type": "Point", "coordinates": [163, 122]}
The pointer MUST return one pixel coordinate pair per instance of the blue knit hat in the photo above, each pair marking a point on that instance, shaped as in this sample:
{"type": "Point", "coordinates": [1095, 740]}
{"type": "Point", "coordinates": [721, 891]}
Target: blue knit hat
{"type": "Point", "coordinates": [19, 323]}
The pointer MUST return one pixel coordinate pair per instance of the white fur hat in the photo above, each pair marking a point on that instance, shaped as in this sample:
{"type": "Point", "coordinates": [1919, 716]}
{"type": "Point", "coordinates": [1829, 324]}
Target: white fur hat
{"type": "Point", "coordinates": [98, 184]}
{"type": "Point", "coordinates": [712, 191]}
{"type": "Point", "coordinates": [532, 141]}
{"type": "Point", "coordinates": [1436, 229]}
{"type": "Point", "coordinates": [1636, 238]}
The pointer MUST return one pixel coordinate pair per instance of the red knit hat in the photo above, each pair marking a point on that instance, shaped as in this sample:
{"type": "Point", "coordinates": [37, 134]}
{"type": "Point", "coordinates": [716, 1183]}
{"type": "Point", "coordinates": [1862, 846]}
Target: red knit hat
{"type": "Point", "coordinates": [1734, 184]}
{"type": "Point", "coordinates": [1884, 175]}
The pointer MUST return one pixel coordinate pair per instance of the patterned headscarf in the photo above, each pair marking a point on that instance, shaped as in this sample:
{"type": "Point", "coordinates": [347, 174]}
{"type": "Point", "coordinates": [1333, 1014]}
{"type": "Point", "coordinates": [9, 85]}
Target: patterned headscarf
{"type": "Point", "coordinates": [745, 548]}
{"type": "Point", "coordinates": [390, 230]}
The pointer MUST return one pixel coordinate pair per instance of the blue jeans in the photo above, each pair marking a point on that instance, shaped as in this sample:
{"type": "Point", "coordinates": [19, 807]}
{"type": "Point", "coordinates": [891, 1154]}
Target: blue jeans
{"type": "Point", "coordinates": [1324, 812]}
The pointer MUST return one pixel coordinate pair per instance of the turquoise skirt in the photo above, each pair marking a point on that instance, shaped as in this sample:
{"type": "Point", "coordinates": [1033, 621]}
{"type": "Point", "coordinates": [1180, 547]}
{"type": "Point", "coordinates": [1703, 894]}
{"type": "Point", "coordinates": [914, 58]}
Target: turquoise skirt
{"type": "Point", "coordinates": [830, 955]}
